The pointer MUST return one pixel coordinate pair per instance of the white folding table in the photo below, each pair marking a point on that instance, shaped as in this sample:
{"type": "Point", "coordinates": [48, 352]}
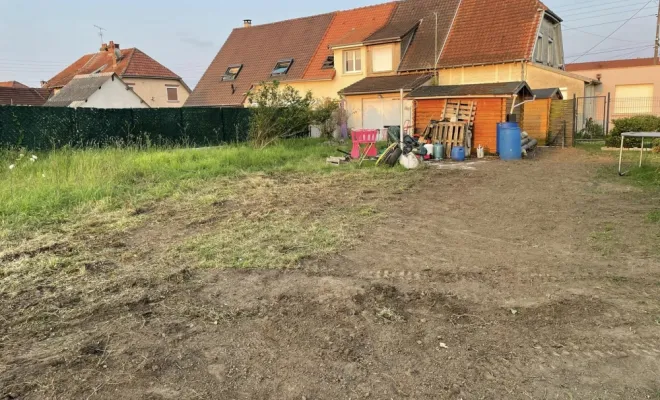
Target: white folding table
{"type": "Point", "coordinates": [641, 135]}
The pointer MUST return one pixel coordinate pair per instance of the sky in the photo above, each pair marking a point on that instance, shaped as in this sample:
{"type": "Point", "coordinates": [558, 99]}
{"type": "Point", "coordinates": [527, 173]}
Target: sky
{"type": "Point", "coordinates": [38, 38]}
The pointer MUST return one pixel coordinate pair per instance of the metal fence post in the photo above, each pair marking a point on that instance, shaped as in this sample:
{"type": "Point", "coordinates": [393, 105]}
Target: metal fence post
{"type": "Point", "coordinates": [607, 114]}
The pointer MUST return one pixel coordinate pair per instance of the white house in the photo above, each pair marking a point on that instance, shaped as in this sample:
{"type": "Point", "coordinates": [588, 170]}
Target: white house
{"type": "Point", "coordinates": [104, 90]}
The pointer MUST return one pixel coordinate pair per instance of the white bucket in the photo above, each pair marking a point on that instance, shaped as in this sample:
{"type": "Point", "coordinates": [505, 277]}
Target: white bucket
{"type": "Point", "coordinates": [481, 153]}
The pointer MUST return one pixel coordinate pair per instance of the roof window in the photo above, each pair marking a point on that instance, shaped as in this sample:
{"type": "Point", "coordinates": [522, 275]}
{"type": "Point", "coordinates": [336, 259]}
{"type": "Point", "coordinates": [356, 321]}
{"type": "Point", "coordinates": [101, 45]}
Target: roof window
{"type": "Point", "coordinates": [232, 72]}
{"type": "Point", "coordinates": [329, 63]}
{"type": "Point", "coordinates": [282, 67]}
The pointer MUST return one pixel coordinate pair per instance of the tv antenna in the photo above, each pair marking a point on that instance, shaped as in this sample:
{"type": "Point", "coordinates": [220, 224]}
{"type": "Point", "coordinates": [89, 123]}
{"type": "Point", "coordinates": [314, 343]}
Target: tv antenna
{"type": "Point", "coordinates": [101, 30]}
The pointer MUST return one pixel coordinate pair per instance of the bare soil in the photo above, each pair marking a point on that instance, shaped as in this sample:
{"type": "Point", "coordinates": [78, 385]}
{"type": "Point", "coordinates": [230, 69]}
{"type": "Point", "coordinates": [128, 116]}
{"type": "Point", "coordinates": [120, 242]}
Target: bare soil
{"type": "Point", "coordinates": [530, 280]}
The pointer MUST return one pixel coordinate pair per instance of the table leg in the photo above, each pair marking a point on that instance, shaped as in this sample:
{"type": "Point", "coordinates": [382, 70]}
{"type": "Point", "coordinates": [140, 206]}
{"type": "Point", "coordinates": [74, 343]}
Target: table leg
{"type": "Point", "coordinates": [641, 154]}
{"type": "Point", "coordinates": [621, 156]}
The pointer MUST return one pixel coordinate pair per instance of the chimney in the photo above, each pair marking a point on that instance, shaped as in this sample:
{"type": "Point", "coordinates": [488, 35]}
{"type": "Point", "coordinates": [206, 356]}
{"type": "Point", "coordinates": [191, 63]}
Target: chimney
{"type": "Point", "coordinates": [247, 23]}
{"type": "Point", "coordinates": [116, 53]}
{"type": "Point", "coordinates": [104, 47]}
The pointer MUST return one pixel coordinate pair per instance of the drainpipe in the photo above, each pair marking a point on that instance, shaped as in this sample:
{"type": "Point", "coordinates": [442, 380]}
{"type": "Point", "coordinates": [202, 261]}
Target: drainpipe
{"type": "Point", "coordinates": [401, 130]}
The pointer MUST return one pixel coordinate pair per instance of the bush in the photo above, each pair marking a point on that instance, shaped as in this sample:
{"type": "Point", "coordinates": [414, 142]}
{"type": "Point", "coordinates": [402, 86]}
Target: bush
{"type": "Point", "coordinates": [278, 113]}
{"type": "Point", "coordinates": [640, 123]}
{"type": "Point", "coordinates": [592, 130]}
{"type": "Point", "coordinates": [326, 116]}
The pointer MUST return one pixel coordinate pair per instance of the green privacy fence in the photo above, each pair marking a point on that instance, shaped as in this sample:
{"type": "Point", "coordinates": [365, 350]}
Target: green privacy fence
{"type": "Point", "coordinates": [43, 128]}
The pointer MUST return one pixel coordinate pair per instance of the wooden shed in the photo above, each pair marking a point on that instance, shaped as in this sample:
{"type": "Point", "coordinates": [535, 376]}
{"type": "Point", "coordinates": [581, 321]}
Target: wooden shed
{"type": "Point", "coordinates": [536, 118]}
{"type": "Point", "coordinates": [491, 102]}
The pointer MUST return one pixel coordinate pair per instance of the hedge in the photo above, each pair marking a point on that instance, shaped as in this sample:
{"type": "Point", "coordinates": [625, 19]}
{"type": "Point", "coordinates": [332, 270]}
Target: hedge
{"type": "Point", "coordinates": [640, 123]}
{"type": "Point", "coordinates": [41, 128]}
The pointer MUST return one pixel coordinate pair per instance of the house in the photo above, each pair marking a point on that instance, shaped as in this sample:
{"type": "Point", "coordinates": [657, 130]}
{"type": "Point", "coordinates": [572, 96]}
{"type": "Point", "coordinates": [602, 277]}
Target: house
{"type": "Point", "coordinates": [102, 90]}
{"type": "Point", "coordinates": [631, 84]}
{"type": "Point", "coordinates": [154, 83]}
{"type": "Point", "coordinates": [493, 102]}
{"type": "Point", "coordinates": [348, 53]}
{"type": "Point", "coordinates": [21, 95]}
{"type": "Point", "coordinates": [13, 84]}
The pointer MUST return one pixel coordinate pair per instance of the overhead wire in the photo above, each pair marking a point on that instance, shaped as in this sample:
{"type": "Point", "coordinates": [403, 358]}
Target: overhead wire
{"type": "Point", "coordinates": [613, 32]}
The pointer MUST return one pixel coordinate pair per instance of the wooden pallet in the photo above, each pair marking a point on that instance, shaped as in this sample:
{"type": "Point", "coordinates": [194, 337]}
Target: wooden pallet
{"type": "Point", "coordinates": [450, 134]}
{"type": "Point", "coordinates": [462, 111]}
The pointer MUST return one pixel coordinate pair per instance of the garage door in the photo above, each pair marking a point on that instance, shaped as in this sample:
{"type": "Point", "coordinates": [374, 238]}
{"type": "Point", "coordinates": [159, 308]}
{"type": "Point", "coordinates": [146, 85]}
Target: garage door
{"type": "Point", "coordinates": [633, 99]}
{"type": "Point", "coordinates": [380, 113]}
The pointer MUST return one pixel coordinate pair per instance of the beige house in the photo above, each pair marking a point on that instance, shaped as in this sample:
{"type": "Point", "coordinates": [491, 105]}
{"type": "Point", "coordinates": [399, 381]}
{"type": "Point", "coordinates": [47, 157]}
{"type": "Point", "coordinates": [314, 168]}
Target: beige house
{"type": "Point", "coordinates": [154, 83]}
{"type": "Point", "coordinates": [633, 86]}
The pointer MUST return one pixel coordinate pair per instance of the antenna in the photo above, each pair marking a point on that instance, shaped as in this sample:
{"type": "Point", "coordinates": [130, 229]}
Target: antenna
{"type": "Point", "coordinates": [101, 30]}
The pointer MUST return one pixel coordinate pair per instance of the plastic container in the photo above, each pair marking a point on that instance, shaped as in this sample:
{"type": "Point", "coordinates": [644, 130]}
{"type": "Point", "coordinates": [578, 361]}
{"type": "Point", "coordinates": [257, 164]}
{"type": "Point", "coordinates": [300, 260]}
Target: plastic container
{"type": "Point", "coordinates": [438, 151]}
{"type": "Point", "coordinates": [509, 142]}
{"type": "Point", "coordinates": [458, 153]}
{"type": "Point", "coordinates": [429, 149]}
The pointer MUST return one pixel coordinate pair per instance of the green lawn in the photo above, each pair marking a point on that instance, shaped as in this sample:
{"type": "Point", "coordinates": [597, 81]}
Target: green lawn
{"type": "Point", "coordinates": [648, 175]}
{"type": "Point", "coordinates": [65, 182]}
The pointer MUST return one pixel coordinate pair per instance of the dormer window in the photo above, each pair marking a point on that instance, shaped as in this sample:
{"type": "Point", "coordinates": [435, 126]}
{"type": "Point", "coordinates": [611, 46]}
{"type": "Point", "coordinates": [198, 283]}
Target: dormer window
{"type": "Point", "coordinates": [282, 67]}
{"type": "Point", "coordinates": [329, 63]}
{"type": "Point", "coordinates": [232, 72]}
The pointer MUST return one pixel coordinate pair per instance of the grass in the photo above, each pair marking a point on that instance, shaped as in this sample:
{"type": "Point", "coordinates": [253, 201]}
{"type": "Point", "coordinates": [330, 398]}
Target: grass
{"type": "Point", "coordinates": [646, 176]}
{"type": "Point", "coordinates": [66, 182]}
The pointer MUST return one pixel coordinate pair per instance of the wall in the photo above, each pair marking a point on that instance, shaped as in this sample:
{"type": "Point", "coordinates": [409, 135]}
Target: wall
{"type": "Point", "coordinates": [489, 113]}
{"type": "Point", "coordinates": [395, 49]}
{"type": "Point", "coordinates": [537, 77]}
{"type": "Point", "coordinates": [154, 91]}
{"type": "Point", "coordinates": [112, 94]}
{"type": "Point", "coordinates": [549, 31]}
{"type": "Point", "coordinates": [511, 72]}
{"type": "Point", "coordinates": [610, 78]}
{"type": "Point", "coordinates": [540, 77]}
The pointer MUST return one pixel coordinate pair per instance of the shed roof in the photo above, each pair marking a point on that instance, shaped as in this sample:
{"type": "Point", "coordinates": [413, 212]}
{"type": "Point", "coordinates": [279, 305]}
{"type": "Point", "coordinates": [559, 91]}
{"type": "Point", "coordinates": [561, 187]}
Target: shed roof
{"type": "Point", "coordinates": [23, 96]}
{"type": "Point", "coordinates": [80, 88]}
{"type": "Point", "coordinates": [387, 84]}
{"type": "Point", "coordinates": [548, 93]}
{"type": "Point", "coordinates": [504, 89]}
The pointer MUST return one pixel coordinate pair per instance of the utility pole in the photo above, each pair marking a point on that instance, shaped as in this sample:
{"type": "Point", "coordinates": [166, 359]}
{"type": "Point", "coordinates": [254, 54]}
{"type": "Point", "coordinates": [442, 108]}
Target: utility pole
{"type": "Point", "coordinates": [657, 38]}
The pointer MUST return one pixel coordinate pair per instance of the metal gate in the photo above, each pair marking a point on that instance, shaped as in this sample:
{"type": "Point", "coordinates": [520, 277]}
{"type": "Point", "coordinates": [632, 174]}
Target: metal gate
{"type": "Point", "coordinates": [591, 117]}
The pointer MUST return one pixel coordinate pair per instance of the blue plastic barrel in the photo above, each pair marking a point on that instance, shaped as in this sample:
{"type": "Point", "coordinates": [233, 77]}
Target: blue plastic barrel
{"type": "Point", "coordinates": [509, 142]}
{"type": "Point", "coordinates": [499, 131]}
{"type": "Point", "coordinates": [458, 153]}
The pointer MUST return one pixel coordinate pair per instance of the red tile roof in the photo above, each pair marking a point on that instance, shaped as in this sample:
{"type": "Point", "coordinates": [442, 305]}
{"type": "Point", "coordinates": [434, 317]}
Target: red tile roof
{"type": "Point", "coordinates": [133, 63]}
{"type": "Point", "coordinates": [258, 48]}
{"type": "Point", "coordinates": [487, 31]}
{"type": "Point", "coordinates": [347, 27]}
{"type": "Point", "coordinates": [13, 84]}
{"type": "Point", "coordinates": [23, 96]}
{"type": "Point", "coordinates": [631, 63]}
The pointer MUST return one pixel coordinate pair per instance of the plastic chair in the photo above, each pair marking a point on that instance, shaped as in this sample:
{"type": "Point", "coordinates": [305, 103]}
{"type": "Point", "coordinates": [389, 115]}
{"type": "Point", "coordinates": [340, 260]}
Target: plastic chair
{"type": "Point", "coordinates": [366, 137]}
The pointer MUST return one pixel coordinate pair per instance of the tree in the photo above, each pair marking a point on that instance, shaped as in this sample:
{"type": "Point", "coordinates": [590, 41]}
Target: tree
{"type": "Point", "coordinates": [279, 112]}
{"type": "Point", "coordinates": [326, 116]}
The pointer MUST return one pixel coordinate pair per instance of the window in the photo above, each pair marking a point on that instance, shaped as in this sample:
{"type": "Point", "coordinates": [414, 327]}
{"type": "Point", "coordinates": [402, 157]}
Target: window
{"type": "Point", "coordinates": [538, 51]}
{"type": "Point", "coordinates": [232, 72]}
{"type": "Point", "coordinates": [551, 52]}
{"type": "Point", "coordinates": [282, 67]}
{"type": "Point", "coordinates": [381, 59]}
{"type": "Point", "coordinates": [172, 93]}
{"type": "Point", "coordinates": [353, 61]}
{"type": "Point", "coordinates": [329, 63]}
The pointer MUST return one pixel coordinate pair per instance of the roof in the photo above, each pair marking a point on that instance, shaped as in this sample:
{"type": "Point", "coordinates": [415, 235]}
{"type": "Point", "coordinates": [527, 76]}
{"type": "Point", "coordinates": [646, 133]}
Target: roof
{"type": "Point", "coordinates": [504, 89]}
{"type": "Point", "coordinates": [133, 63]}
{"type": "Point", "coordinates": [347, 27]}
{"type": "Point", "coordinates": [548, 93]}
{"type": "Point", "coordinates": [13, 84]}
{"type": "Point", "coordinates": [387, 84]}
{"type": "Point", "coordinates": [487, 32]}
{"type": "Point", "coordinates": [420, 55]}
{"type": "Point", "coordinates": [258, 48]}
{"type": "Point", "coordinates": [23, 96]}
{"type": "Point", "coordinates": [80, 88]}
{"type": "Point", "coordinates": [611, 64]}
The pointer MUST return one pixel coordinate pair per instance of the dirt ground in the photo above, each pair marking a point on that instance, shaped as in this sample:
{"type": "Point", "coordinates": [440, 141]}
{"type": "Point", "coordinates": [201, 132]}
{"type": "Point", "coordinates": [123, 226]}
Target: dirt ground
{"type": "Point", "coordinates": [529, 280]}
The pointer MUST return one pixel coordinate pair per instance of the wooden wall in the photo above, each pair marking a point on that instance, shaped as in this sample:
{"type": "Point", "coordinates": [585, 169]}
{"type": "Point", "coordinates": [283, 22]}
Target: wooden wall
{"type": "Point", "coordinates": [490, 111]}
{"type": "Point", "coordinates": [536, 119]}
